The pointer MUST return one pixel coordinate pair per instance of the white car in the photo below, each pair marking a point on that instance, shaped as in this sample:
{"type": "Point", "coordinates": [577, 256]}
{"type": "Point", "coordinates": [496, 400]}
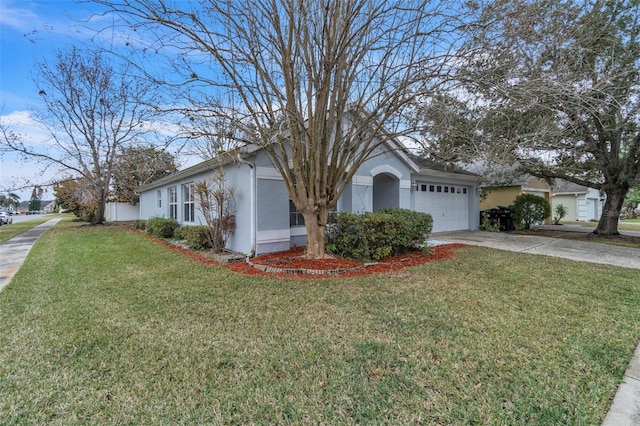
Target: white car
{"type": "Point", "coordinates": [5, 218]}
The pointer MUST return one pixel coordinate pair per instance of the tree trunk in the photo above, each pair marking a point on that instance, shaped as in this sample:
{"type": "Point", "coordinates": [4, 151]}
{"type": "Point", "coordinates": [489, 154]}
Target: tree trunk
{"type": "Point", "coordinates": [608, 224]}
{"type": "Point", "coordinates": [316, 224]}
{"type": "Point", "coordinates": [98, 217]}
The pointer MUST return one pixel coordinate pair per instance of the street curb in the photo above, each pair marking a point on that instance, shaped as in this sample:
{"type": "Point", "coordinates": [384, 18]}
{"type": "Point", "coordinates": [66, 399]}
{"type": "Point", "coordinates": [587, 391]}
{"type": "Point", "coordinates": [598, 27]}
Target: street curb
{"type": "Point", "coordinates": [625, 409]}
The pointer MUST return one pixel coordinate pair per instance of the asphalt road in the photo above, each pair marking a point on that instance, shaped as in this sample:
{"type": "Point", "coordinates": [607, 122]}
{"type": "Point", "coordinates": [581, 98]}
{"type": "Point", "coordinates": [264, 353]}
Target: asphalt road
{"type": "Point", "coordinates": [23, 217]}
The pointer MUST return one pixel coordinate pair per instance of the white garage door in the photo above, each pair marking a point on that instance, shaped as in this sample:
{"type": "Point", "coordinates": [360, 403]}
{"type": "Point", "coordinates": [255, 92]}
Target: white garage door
{"type": "Point", "coordinates": [447, 204]}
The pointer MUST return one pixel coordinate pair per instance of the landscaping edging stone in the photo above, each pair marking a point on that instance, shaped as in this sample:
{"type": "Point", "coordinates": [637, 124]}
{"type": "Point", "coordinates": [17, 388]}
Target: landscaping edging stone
{"type": "Point", "coordinates": [273, 269]}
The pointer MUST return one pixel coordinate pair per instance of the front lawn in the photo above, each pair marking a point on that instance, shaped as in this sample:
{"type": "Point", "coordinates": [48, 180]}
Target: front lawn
{"type": "Point", "coordinates": [104, 326]}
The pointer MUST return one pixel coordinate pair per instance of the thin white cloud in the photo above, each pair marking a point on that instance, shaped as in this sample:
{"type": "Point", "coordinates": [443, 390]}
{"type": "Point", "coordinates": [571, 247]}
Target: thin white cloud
{"type": "Point", "coordinates": [18, 15]}
{"type": "Point", "coordinates": [22, 123]}
{"type": "Point", "coordinates": [17, 172]}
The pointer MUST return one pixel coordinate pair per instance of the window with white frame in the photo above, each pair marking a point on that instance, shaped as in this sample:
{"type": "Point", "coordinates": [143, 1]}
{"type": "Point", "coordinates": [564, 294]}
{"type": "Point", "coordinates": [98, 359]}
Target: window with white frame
{"type": "Point", "coordinates": [173, 202]}
{"type": "Point", "coordinates": [189, 202]}
{"type": "Point", "coordinates": [295, 217]}
{"type": "Point", "coordinates": [159, 195]}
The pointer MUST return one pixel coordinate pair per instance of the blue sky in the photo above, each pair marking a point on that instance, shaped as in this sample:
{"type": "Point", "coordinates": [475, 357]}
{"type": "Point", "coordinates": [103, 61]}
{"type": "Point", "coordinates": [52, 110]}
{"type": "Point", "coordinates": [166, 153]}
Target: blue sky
{"type": "Point", "coordinates": [31, 31]}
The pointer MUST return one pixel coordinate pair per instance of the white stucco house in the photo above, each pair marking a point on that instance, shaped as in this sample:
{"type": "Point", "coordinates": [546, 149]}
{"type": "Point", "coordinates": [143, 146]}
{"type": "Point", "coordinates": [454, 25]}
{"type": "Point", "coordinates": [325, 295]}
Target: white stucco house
{"type": "Point", "coordinates": [267, 221]}
{"type": "Point", "coordinates": [582, 203]}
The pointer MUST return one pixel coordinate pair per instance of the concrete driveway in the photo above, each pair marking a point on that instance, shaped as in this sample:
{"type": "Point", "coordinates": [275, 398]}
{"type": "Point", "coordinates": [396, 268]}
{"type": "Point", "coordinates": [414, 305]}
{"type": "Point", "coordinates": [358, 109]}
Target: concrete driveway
{"type": "Point", "coordinates": [556, 247]}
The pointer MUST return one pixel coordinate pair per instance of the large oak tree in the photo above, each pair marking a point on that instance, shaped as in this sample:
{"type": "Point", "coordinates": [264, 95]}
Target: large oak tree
{"type": "Point", "coordinates": [552, 86]}
{"type": "Point", "coordinates": [313, 82]}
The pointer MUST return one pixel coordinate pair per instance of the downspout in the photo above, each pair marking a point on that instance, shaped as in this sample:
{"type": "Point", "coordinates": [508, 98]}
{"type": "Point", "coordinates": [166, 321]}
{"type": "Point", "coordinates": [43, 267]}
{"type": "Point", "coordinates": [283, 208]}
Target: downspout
{"type": "Point", "coordinates": [252, 197]}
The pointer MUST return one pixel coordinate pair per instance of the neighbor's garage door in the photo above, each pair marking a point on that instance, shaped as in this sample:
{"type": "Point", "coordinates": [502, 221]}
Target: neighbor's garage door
{"type": "Point", "coordinates": [447, 204]}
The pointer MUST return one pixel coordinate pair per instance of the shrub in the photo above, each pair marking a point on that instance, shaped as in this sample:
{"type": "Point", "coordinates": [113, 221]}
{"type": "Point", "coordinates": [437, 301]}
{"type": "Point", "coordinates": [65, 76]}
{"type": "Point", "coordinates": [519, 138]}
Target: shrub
{"type": "Point", "coordinates": [140, 224]}
{"type": "Point", "coordinates": [197, 237]}
{"type": "Point", "coordinates": [217, 203]}
{"type": "Point", "coordinates": [412, 228]}
{"type": "Point", "coordinates": [529, 209]}
{"type": "Point", "coordinates": [488, 224]}
{"type": "Point", "coordinates": [628, 212]}
{"type": "Point", "coordinates": [161, 227]}
{"type": "Point", "coordinates": [373, 236]}
{"type": "Point", "coordinates": [346, 235]}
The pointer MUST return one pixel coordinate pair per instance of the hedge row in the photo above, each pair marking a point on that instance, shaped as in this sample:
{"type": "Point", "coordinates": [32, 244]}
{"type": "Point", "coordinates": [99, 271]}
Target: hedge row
{"type": "Point", "coordinates": [368, 236]}
{"type": "Point", "coordinates": [373, 236]}
{"type": "Point", "coordinates": [196, 237]}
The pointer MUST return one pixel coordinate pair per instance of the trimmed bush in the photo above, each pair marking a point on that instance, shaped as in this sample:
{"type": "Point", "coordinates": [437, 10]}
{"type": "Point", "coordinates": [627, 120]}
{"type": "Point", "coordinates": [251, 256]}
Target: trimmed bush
{"type": "Point", "coordinates": [140, 224]}
{"type": "Point", "coordinates": [529, 209]}
{"type": "Point", "coordinates": [414, 228]}
{"type": "Point", "coordinates": [373, 236]}
{"type": "Point", "coordinates": [161, 227]}
{"type": "Point", "coordinates": [197, 237]}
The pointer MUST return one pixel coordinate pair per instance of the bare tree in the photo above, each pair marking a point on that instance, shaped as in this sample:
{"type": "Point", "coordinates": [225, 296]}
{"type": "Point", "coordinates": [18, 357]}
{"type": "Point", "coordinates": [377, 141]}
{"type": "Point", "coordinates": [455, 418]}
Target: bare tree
{"type": "Point", "coordinates": [91, 111]}
{"type": "Point", "coordinates": [319, 84]}
{"type": "Point", "coordinates": [554, 87]}
{"type": "Point", "coordinates": [210, 136]}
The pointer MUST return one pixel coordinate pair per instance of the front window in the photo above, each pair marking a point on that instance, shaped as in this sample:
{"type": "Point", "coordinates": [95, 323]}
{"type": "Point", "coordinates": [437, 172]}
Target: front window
{"type": "Point", "coordinates": [173, 203]}
{"type": "Point", "coordinates": [189, 203]}
{"type": "Point", "coordinates": [159, 194]}
{"type": "Point", "coordinates": [295, 217]}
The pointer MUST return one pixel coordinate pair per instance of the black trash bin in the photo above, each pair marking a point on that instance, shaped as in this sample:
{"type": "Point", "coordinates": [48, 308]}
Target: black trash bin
{"type": "Point", "coordinates": [505, 219]}
{"type": "Point", "coordinates": [500, 217]}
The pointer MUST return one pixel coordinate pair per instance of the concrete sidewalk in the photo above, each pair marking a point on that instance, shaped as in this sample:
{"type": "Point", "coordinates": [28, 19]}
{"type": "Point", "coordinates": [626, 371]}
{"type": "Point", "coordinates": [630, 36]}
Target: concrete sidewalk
{"type": "Point", "coordinates": [625, 409]}
{"type": "Point", "coordinates": [15, 251]}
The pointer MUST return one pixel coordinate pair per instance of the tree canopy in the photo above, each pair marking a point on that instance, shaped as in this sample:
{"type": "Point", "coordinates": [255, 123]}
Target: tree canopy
{"type": "Point", "coordinates": [551, 86]}
{"type": "Point", "coordinates": [136, 166]}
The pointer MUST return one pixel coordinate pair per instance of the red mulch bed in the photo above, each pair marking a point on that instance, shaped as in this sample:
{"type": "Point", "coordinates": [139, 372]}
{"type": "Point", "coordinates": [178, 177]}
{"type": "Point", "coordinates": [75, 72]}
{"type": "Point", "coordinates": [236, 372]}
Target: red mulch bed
{"type": "Point", "coordinates": [294, 259]}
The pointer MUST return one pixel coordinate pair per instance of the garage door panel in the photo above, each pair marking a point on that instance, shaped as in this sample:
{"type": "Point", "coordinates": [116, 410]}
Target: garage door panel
{"type": "Point", "coordinates": [447, 204]}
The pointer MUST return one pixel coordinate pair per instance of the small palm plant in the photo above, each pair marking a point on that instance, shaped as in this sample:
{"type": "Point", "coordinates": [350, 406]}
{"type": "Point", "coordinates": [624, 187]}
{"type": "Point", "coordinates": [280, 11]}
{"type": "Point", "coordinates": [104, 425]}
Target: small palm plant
{"type": "Point", "coordinates": [560, 211]}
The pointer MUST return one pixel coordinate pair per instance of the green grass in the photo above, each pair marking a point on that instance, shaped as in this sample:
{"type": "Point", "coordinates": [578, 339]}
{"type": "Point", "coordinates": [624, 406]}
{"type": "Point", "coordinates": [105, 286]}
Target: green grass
{"type": "Point", "coordinates": [635, 221]}
{"type": "Point", "coordinates": [11, 230]}
{"type": "Point", "coordinates": [623, 225]}
{"type": "Point", "coordinates": [104, 326]}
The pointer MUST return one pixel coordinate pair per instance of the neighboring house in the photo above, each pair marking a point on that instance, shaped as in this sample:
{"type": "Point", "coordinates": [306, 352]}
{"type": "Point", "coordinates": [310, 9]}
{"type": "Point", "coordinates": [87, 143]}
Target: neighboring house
{"type": "Point", "coordinates": [266, 219]}
{"type": "Point", "coordinates": [582, 203]}
{"type": "Point", "coordinates": [505, 195]}
{"type": "Point", "coordinates": [50, 207]}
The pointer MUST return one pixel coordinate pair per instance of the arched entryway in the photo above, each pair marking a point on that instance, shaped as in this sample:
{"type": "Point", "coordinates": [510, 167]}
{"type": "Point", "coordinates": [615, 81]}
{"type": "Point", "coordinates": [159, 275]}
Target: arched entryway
{"type": "Point", "coordinates": [386, 191]}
